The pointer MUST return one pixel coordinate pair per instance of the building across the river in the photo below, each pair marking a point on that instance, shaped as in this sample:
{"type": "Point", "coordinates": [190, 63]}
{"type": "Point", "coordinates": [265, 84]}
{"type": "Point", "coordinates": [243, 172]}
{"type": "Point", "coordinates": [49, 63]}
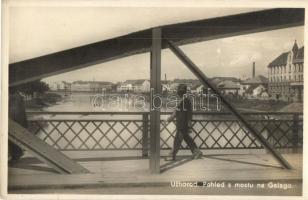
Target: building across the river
{"type": "Point", "coordinates": [286, 75]}
{"type": "Point", "coordinates": [138, 86]}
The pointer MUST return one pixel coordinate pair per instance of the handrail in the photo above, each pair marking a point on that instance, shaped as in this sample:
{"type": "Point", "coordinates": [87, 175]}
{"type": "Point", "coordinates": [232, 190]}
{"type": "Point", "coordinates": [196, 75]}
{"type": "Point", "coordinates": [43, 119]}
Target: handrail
{"type": "Point", "coordinates": [65, 130]}
{"type": "Point", "coordinates": [141, 113]}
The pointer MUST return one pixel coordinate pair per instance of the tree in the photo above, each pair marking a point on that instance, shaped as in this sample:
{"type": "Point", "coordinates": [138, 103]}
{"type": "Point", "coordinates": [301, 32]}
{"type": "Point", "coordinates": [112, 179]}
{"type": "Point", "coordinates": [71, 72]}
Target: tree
{"type": "Point", "coordinates": [31, 87]}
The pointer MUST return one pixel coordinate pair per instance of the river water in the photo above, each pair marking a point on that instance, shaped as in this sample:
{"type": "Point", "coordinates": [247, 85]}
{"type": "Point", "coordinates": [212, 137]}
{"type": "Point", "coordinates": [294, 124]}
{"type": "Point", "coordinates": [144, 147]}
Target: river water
{"type": "Point", "coordinates": [90, 102]}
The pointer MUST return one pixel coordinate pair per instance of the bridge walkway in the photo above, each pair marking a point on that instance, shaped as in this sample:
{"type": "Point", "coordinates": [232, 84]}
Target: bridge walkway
{"type": "Point", "coordinates": [129, 169]}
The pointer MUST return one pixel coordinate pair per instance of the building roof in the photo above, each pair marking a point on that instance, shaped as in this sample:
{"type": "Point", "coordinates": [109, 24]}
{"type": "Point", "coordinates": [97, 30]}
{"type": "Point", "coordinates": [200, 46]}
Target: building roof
{"type": "Point", "coordinates": [256, 80]}
{"type": "Point", "coordinates": [194, 87]}
{"type": "Point", "coordinates": [299, 57]}
{"type": "Point", "coordinates": [165, 81]}
{"type": "Point", "coordinates": [218, 80]}
{"type": "Point", "coordinates": [227, 84]}
{"type": "Point", "coordinates": [225, 79]}
{"type": "Point", "coordinates": [135, 82]}
{"type": "Point", "coordinates": [92, 82]}
{"type": "Point", "coordinates": [186, 81]}
{"type": "Point", "coordinates": [295, 47]}
{"type": "Point", "coordinates": [280, 60]}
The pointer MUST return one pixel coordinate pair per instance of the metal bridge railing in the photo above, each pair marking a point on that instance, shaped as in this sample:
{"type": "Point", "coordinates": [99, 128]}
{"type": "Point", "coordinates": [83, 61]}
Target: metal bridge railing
{"type": "Point", "coordinates": [130, 130]}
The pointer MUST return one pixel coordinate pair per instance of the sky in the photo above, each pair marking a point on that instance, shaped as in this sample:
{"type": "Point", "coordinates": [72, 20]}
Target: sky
{"type": "Point", "coordinates": [36, 31]}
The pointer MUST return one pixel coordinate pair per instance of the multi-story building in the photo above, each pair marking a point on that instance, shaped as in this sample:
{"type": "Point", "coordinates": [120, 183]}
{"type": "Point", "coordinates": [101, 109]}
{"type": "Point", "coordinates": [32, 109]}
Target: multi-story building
{"type": "Point", "coordinates": [100, 86]}
{"type": "Point", "coordinates": [60, 86]}
{"type": "Point", "coordinates": [286, 75]}
{"type": "Point", "coordinates": [81, 86]}
{"type": "Point", "coordinates": [139, 86]}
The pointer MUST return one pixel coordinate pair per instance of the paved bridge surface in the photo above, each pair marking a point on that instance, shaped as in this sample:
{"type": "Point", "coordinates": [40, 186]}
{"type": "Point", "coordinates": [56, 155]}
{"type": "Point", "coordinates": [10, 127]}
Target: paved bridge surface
{"type": "Point", "coordinates": [112, 170]}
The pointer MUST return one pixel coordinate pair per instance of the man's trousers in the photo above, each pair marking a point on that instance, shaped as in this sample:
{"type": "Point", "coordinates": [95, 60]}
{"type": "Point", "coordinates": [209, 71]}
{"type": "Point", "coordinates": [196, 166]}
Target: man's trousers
{"type": "Point", "coordinates": [179, 136]}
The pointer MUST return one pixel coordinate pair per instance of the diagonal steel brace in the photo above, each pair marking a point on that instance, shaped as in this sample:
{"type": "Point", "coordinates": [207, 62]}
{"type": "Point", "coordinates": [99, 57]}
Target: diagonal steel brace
{"type": "Point", "coordinates": [202, 77]}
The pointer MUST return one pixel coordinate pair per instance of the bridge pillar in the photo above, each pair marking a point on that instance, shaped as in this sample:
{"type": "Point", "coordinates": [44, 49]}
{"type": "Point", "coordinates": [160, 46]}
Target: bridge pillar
{"type": "Point", "coordinates": [155, 79]}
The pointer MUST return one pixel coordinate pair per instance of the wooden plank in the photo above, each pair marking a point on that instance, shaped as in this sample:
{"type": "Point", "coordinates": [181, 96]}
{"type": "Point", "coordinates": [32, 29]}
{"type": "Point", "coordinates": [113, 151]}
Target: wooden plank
{"type": "Point", "coordinates": [44, 152]}
{"type": "Point", "coordinates": [140, 42]}
{"type": "Point", "coordinates": [156, 90]}
{"type": "Point", "coordinates": [202, 77]}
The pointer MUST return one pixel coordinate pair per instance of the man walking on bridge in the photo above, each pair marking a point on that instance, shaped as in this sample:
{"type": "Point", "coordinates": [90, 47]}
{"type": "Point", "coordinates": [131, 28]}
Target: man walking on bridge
{"type": "Point", "coordinates": [183, 115]}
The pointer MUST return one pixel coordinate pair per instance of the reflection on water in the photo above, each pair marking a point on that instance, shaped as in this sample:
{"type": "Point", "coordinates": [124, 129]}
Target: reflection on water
{"type": "Point", "coordinates": [85, 102]}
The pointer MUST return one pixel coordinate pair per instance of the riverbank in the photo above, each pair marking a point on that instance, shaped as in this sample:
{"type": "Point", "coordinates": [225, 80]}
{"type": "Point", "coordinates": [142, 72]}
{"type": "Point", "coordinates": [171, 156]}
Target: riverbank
{"type": "Point", "coordinates": [43, 101]}
{"type": "Point", "coordinates": [260, 105]}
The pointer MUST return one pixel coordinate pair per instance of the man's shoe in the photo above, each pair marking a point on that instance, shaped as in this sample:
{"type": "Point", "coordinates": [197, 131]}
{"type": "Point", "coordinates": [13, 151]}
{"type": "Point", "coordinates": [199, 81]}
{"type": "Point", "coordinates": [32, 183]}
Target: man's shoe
{"type": "Point", "coordinates": [198, 154]}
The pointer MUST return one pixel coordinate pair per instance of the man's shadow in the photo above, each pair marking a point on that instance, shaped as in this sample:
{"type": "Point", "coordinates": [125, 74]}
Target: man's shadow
{"type": "Point", "coordinates": [185, 159]}
{"type": "Point", "coordinates": [176, 163]}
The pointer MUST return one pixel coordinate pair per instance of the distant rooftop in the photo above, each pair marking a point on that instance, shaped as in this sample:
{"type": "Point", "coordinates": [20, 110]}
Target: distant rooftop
{"type": "Point", "coordinates": [228, 84]}
{"type": "Point", "coordinates": [283, 58]}
{"type": "Point", "coordinates": [256, 80]}
{"type": "Point", "coordinates": [299, 58]}
{"type": "Point", "coordinates": [135, 82]}
{"type": "Point", "coordinates": [91, 82]}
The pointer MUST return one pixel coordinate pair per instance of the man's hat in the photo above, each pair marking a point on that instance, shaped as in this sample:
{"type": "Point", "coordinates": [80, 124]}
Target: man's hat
{"type": "Point", "coordinates": [182, 89]}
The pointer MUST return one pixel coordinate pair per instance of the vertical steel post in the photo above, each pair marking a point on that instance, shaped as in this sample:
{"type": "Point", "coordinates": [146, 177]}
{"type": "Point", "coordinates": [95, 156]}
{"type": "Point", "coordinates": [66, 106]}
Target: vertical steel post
{"type": "Point", "coordinates": [295, 134]}
{"type": "Point", "coordinates": [201, 76]}
{"type": "Point", "coordinates": [156, 90]}
{"type": "Point", "coordinates": [145, 137]}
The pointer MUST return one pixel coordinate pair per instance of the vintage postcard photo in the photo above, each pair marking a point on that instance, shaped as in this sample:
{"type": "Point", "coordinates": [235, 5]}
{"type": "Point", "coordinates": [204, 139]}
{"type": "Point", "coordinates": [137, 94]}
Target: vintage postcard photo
{"type": "Point", "coordinates": [162, 100]}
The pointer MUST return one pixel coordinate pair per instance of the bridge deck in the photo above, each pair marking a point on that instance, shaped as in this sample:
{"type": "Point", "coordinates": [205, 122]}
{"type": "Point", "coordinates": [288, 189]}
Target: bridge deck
{"type": "Point", "coordinates": [127, 168]}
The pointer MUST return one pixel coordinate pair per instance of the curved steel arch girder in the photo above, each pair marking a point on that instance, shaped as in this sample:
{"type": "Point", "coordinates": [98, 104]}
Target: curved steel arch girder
{"type": "Point", "coordinates": [140, 42]}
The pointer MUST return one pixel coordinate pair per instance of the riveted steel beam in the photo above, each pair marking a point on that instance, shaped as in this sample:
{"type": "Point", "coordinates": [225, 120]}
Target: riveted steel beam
{"type": "Point", "coordinates": [140, 42]}
{"type": "Point", "coordinates": [205, 81]}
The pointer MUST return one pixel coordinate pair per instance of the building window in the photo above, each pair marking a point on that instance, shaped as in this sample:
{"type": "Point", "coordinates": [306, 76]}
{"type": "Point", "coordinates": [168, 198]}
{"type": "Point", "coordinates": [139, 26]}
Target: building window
{"type": "Point", "coordinates": [290, 68]}
{"type": "Point", "coordinates": [295, 78]}
{"type": "Point", "coordinates": [289, 77]}
{"type": "Point", "coordinates": [302, 67]}
{"type": "Point", "coordinates": [285, 69]}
